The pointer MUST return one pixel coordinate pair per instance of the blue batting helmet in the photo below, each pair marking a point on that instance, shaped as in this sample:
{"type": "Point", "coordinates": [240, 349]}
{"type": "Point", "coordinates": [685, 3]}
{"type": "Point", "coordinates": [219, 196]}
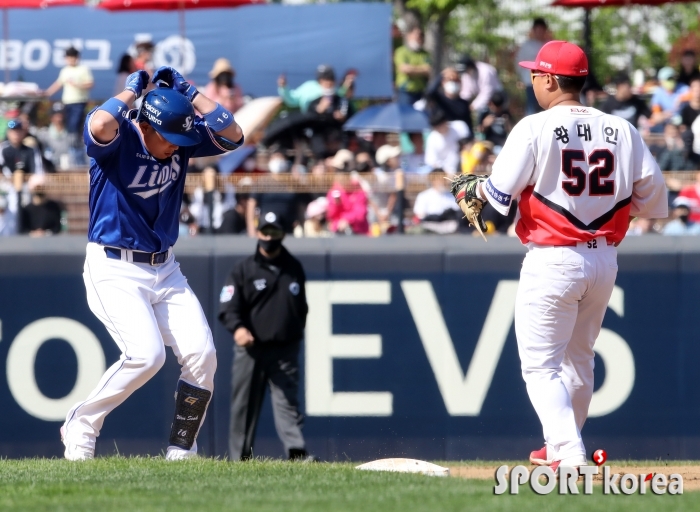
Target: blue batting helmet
{"type": "Point", "coordinates": [171, 115]}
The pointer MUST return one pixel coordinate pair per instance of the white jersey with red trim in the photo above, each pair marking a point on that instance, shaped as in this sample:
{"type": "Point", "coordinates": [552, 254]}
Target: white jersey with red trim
{"type": "Point", "coordinates": [578, 174]}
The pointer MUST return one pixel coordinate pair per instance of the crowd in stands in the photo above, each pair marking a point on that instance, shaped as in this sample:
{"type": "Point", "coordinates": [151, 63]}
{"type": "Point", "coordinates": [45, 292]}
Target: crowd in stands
{"type": "Point", "coordinates": [378, 182]}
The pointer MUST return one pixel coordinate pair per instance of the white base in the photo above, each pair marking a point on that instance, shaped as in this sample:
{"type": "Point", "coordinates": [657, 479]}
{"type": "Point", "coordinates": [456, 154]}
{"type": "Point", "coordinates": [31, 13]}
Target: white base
{"type": "Point", "coordinates": [405, 466]}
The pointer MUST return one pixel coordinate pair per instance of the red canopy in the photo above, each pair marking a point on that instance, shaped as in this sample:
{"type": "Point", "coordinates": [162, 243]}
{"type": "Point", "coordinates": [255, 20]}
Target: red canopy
{"type": "Point", "coordinates": [37, 4]}
{"type": "Point", "coordinates": [589, 4]}
{"type": "Point", "coordinates": [170, 5]}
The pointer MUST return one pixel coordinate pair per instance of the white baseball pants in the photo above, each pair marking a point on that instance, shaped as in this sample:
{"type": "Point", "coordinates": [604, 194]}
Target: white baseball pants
{"type": "Point", "coordinates": [144, 308]}
{"type": "Point", "coordinates": [561, 300]}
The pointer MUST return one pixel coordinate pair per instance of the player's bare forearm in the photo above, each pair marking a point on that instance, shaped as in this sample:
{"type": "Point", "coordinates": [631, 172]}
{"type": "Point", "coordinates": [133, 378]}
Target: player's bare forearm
{"type": "Point", "coordinates": [204, 105]}
{"type": "Point", "coordinates": [103, 125]}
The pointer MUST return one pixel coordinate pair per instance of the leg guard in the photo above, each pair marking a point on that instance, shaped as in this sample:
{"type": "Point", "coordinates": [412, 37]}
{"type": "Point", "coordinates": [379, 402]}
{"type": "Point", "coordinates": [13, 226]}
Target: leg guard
{"type": "Point", "coordinates": [190, 405]}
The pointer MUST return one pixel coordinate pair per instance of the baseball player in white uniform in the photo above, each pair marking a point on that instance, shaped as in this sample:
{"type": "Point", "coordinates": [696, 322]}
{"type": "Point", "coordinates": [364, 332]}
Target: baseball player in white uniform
{"type": "Point", "coordinates": [580, 176]}
{"type": "Point", "coordinates": [138, 164]}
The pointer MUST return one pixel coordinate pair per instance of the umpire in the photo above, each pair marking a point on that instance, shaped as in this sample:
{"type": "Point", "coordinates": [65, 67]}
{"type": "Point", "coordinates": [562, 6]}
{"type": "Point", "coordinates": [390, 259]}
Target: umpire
{"type": "Point", "coordinates": [263, 305]}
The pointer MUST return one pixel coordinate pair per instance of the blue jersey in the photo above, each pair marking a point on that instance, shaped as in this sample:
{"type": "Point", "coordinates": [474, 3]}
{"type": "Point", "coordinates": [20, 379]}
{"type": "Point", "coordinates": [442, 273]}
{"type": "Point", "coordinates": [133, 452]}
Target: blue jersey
{"type": "Point", "coordinates": [135, 199]}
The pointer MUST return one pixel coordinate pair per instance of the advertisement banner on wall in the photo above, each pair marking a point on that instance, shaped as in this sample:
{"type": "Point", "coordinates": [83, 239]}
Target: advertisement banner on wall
{"type": "Point", "coordinates": [395, 363]}
{"type": "Point", "coordinates": [261, 41]}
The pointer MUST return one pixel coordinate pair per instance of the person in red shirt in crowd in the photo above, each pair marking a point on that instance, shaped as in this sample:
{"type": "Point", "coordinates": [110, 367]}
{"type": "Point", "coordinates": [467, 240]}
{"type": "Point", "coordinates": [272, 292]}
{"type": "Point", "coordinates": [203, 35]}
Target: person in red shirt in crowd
{"type": "Point", "coordinates": [692, 194]}
{"type": "Point", "coordinates": [347, 207]}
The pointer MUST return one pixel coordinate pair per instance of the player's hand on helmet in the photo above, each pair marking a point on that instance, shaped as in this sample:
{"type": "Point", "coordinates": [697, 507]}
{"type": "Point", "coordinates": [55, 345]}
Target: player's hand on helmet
{"type": "Point", "coordinates": [165, 76]}
{"type": "Point", "coordinates": [136, 82]}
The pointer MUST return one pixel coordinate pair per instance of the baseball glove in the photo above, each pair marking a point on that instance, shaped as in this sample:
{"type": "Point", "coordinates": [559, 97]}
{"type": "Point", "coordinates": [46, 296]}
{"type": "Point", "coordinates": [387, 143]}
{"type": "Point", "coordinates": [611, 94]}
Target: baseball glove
{"type": "Point", "coordinates": [464, 191]}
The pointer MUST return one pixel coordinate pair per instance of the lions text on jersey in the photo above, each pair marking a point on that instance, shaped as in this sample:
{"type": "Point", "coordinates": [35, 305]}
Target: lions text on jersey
{"type": "Point", "coordinates": [134, 198]}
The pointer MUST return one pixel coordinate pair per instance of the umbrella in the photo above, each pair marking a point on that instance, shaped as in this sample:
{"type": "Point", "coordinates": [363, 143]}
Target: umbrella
{"type": "Point", "coordinates": [27, 4]}
{"type": "Point", "coordinates": [254, 116]}
{"type": "Point", "coordinates": [234, 159]}
{"type": "Point", "coordinates": [285, 129]}
{"type": "Point", "coordinates": [391, 117]}
{"type": "Point", "coordinates": [172, 5]}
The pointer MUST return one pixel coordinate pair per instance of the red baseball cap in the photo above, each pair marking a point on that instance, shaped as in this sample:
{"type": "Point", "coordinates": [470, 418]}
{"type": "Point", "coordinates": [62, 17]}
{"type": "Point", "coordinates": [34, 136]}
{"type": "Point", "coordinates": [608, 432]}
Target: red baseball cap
{"type": "Point", "coordinates": [559, 58]}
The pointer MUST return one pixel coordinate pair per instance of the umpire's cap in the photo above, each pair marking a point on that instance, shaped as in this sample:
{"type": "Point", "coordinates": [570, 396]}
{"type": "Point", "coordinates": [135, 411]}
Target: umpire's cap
{"type": "Point", "coordinates": [171, 115]}
{"type": "Point", "coordinates": [270, 219]}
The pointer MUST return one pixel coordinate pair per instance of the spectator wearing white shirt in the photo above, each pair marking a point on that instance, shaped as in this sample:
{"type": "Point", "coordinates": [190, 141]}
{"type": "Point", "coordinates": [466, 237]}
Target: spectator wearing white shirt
{"type": "Point", "coordinates": [539, 34]}
{"type": "Point", "coordinates": [76, 81]}
{"type": "Point", "coordinates": [479, 81]}
{"type": "Point", "coordinates": [435, 207]}
{"type": "Point", "coordinates": [442, 144]}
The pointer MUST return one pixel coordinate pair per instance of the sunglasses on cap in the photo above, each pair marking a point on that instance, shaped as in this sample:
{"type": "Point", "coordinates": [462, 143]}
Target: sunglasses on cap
{"type": "Point", "coordinates": [14, 124]}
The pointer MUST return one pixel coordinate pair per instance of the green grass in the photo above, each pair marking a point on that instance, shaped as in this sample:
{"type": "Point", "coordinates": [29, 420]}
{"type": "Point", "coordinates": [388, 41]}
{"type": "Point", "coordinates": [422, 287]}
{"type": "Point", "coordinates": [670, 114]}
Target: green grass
{"type": "Point", "coordinates": [136, 484]}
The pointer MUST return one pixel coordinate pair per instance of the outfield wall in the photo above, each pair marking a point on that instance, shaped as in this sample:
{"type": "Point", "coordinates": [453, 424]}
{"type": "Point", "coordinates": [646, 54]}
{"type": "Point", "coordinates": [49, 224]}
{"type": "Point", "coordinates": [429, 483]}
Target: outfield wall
{"type": "Point", "coordinates": [410, 351]}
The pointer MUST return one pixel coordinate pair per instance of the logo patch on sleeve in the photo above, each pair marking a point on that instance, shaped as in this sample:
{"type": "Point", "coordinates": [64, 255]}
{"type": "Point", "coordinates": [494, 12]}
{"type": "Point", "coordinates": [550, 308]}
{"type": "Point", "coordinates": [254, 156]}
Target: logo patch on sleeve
{"type": "Point", "coordinates": [496, 194]}
{"type": "Point", "coordinates": [294, 288]}
{"type": "Point", "coordinates": [226, 293]}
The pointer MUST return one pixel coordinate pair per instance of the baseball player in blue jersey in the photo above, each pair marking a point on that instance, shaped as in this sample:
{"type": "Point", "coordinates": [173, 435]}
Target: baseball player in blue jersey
{"type": "Point", "coordinates": [138, 163]}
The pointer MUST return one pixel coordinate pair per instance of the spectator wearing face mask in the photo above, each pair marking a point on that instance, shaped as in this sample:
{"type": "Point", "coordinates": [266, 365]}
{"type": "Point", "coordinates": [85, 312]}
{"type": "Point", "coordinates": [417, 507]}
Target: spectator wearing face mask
{"type": "Point", "coordinates": [442, 145]}
{"type": "Point", "coordinates": [379, 191]}
{"type": "Point", "coordinates": [443, 93]}
{"type": "Point", "coordinates": [412, 64]}
{"type": "Point", "coordinates": [681, 223]}
{"type": "Point", "coordinates": [222, 87]}
{"type": "Point", "coordinates": [666, 100]}
{"type": "Point", "coordinates": [332, 111]}
{"type": "Point", "coordinates": [302, 96]}
{"type": "Point", "coordinates": [479, 82]}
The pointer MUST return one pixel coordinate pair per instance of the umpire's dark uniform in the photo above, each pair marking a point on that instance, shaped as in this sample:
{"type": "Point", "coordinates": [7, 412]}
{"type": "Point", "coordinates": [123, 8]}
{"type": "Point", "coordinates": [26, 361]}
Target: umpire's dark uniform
{"type": "Point", "coordinates": [268, 297]}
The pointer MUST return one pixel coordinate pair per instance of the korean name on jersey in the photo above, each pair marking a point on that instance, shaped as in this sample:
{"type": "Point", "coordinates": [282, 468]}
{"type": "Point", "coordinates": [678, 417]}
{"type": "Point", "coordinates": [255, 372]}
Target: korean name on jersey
{"type": "Point", "coordinates": [574, 169]}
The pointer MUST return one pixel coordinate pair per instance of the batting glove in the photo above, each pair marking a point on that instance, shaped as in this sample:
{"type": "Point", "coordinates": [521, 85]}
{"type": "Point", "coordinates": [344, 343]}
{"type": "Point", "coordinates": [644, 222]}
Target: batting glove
{"type": "Point", "coordinates": [166, 76]}
{"type": "Point", "coordinates": [136, 82]}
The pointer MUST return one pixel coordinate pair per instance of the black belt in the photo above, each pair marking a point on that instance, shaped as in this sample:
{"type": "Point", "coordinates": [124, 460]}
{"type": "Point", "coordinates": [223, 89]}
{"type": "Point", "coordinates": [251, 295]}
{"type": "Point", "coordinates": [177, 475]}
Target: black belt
{"type": "Point", "coordinates": [152, 258]}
